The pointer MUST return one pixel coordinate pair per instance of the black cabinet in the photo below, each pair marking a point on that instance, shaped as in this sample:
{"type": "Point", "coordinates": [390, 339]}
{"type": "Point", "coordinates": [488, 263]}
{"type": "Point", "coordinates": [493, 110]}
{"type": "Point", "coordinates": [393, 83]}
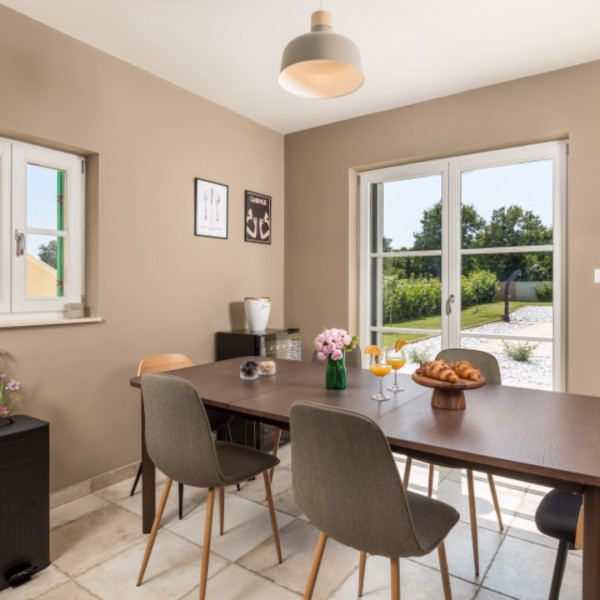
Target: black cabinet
{"type": "Point", "coordinates": [272, 344]}
{"type": "Point", "coordinates": [24, 499]}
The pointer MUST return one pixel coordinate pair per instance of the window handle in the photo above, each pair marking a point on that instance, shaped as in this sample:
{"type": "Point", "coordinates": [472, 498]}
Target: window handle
{"type": "Point", "coordinates": [20, 237]}
{"type": "Point", "coordinates": [449, 304]}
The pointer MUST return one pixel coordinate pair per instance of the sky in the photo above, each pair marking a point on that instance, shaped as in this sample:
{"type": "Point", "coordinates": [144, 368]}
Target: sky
{"type": "Point", "coordinates": [529, 185]}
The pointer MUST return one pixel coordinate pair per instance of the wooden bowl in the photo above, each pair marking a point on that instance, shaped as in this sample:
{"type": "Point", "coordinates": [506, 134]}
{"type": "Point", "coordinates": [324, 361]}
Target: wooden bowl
{"type": "Point", "coordinates": [446, 395]}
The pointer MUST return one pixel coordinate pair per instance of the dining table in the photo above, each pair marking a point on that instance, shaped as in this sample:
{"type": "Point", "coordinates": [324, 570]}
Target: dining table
{"type": "Point", "coordinates": [538, 436]}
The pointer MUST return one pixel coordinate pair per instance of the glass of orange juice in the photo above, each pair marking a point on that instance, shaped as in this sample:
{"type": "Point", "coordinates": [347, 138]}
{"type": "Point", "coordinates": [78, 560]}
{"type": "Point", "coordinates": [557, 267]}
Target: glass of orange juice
{"type": "Point", "coordinates": [396, 358]}
{"type": "Point", "coordinates": [380, 368]}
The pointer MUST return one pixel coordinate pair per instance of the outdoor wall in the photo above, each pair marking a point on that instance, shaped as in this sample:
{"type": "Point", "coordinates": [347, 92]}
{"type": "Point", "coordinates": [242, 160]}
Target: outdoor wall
{"type": "Point", "coordinates": [321, 258]}
{"type": "Point", "coordinates": [157, 287]}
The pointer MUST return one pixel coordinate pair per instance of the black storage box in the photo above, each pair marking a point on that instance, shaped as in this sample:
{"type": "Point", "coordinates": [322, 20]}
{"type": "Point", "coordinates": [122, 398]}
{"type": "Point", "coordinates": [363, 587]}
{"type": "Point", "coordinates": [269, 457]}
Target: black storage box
{"type": "Point", "coordinates": [24, 499]}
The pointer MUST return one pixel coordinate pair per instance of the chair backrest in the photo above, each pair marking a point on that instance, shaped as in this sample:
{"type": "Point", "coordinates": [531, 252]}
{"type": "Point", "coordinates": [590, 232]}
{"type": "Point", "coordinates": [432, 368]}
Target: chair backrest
{"type": "Point", "coordinates": [346, 482]}
{"type": "Point", "coordinates": [163, 362]}
{"type": "Point", "coordinates": [177, 431]}
{"type": "Point", "coordinates": [484, 361]}
{"type": "Point", "coordinates": [353, 359]}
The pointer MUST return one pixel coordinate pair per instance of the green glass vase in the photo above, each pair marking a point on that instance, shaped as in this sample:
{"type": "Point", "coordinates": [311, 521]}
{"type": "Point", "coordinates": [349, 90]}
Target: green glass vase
{"type": "Point", "coordinates": [335, 377]}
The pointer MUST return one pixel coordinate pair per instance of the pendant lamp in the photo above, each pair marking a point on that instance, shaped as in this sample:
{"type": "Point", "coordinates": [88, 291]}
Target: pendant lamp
{"type": "Point", "coordinates": [321, 64]}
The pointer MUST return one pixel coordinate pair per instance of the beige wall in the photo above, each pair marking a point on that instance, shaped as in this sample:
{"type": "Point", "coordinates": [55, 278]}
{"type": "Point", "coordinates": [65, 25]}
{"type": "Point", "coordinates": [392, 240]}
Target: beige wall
{"type": "Point", "coordinates": [157, 286]}
{"type": "Point", "coordinates": [321, 195]}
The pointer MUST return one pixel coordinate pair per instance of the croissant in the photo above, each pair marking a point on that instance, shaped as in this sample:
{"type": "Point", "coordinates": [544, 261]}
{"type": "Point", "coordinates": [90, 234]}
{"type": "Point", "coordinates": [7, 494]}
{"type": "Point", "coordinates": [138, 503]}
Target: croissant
{"type": "Point", "coordinates": [437, 369]}
{"type": "Point", "coordinates": [465, 370]}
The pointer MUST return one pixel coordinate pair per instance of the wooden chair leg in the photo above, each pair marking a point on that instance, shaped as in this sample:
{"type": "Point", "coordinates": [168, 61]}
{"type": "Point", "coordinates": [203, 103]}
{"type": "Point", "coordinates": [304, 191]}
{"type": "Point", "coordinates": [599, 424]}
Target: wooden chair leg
{"type": "Point", "coordinates": [407, 472]}
{"type": "Point", "coordinates": [154, 531]}
{"type": "Point", "coordinates": [221, 510]}
{"type": "Point", "coordinates": [395, 572]}
{"type": "Point", "coordinates": [495, 500]}
{"type": "Point", "coordinates": [430, 484]}
{"type": "Point", "coordinates": [361, 572]}
{"type": "Point", "coordinates": [444, 571]}
{"type": "Point", "coordinates": [272, 515]}
{"type": "Point", "coordinates": [314, 569]}
{"type": "Point", "coordinates": [473, 519]}
{"type": "Point", "coordinates": [210, 502]}
{"type": "Point", "coordinates": [275, 450]}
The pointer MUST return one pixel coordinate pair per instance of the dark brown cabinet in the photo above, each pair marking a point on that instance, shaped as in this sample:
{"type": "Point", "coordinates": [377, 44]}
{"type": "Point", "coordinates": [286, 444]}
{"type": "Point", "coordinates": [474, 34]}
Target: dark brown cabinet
{"type": "Point", "coordinates": [24, 499]}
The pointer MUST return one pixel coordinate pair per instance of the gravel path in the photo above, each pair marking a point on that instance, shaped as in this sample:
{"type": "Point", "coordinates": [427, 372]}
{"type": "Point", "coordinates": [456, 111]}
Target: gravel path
{"type": "Point", "coordinates": [537, 372]}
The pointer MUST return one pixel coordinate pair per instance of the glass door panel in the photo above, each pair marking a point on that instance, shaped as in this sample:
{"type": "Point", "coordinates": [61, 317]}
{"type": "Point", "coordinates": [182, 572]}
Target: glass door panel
{"type": "Point", "coordinates": [506, 307]}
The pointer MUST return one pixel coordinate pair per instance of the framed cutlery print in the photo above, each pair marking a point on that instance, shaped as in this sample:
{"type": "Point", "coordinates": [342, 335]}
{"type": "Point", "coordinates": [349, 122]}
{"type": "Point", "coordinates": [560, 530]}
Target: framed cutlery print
{"type": "Point", "coordinates": [211, 208]}
{"type": "Point", "coordinates": [257, 222]}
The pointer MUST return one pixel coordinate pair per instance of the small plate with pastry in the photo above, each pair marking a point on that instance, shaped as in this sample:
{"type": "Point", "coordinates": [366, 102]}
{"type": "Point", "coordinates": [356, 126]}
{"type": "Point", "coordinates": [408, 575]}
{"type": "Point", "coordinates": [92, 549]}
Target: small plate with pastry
{"type": "Point", "coordinates": [449, 380]}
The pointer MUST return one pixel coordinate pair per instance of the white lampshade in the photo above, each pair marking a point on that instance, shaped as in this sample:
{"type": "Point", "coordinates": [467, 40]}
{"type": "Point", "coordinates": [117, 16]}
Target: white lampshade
{"type": "Point", "coordinates": [321, 64]}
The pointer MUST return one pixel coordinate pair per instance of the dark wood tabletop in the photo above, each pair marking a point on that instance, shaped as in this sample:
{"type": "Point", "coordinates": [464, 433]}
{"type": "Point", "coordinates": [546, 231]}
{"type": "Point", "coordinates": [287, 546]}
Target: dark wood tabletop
{"type": "Point", "coordinates": [534, 435]}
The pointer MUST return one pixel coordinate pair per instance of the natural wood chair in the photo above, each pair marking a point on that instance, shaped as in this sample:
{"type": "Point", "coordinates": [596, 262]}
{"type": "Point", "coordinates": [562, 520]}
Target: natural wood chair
{"type": "Point", "coordinates": [560, 515]}
{"type": "Point", "coordinates": [353, 493]}
{"type": "Point", "coordinates": [219, 421]}
{"type": "Point", "coordinates": [488, 365]}
{"type": "Point", "coordinates": [181, 445]}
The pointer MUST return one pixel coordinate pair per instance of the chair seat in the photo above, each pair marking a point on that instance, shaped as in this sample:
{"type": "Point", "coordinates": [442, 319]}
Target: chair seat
{"type": "Point", "coordinates": [432, 519]}
{"type": "Point", "coordinates": [239, 463]}
{"type": "Point", "coordinates": [558, 513]}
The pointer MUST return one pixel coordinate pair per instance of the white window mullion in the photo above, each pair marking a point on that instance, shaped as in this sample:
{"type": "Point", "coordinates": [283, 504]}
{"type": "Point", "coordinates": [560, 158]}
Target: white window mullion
{"type": "Point", "coordinates": [5, 228]}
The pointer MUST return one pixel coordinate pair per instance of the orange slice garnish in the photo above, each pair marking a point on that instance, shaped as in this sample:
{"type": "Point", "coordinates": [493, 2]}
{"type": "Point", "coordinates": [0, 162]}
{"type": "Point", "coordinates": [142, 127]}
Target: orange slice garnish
{"type": "Point", "coordinates": [373, 349]}
{"type": "Point", "coordinates": [399, 345]}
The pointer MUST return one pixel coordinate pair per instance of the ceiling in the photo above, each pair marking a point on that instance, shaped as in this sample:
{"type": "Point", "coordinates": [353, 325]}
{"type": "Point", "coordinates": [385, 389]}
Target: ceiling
{"type": "Point", "coordinates": [229, 51]}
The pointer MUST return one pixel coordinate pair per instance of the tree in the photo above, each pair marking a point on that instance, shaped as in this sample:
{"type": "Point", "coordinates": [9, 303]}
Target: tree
{"type": "Point", "coordinates": [47, 253]}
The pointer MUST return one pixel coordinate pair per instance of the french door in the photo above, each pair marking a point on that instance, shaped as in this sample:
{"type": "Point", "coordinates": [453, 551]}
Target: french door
{"type": "Point", "coordinates": [469, 252]}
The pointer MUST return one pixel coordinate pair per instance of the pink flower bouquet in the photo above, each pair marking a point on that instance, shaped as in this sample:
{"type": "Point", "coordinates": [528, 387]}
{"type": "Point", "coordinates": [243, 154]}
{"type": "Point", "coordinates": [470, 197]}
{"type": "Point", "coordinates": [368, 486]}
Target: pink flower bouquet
{"type": "Point", "coordinates": [333, 343]}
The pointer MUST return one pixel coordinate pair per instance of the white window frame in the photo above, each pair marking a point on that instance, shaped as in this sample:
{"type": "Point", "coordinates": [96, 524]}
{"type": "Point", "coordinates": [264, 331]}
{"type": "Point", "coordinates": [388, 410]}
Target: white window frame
{"type": "Point", "coordinates": [15, 305]}
{"type": "Point", "coordinates": [451, 169]}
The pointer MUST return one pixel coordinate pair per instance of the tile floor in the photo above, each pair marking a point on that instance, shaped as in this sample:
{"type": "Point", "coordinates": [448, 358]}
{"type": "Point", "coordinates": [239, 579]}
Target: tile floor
{"type": "Point", "coordinates": [97, 547]}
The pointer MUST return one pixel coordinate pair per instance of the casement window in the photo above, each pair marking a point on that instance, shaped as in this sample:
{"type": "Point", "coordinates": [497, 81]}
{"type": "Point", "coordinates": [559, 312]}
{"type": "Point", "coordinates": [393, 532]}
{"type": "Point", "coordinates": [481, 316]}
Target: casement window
{"type": "Point", "coordinates": [42, 203]}
{"type": "Point", "coordinates": [444, 241]}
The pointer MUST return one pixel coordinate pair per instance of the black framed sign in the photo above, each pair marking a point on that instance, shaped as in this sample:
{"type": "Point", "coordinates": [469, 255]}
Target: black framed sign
{"type": "Point", "coordinates": [211, 204]}
{"type": "Point", "coordinates": [257, 220]}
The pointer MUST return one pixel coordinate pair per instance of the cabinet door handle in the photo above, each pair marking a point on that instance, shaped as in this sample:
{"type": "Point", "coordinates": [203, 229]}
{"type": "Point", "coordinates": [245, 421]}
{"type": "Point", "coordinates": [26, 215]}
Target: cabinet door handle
{"type": "Point", "coordinates": [20, 238]}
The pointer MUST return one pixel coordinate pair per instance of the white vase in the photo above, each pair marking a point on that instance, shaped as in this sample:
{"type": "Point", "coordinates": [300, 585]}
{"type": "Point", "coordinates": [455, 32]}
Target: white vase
{"type": "Point", "coordinates": [257, 313]}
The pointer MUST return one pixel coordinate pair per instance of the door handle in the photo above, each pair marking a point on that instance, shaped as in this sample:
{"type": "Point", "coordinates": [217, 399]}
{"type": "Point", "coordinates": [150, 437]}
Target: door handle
{"type": "Point", "coordinates": [20, 238]}
{"type": "Point", "coordinates": [449, 304]}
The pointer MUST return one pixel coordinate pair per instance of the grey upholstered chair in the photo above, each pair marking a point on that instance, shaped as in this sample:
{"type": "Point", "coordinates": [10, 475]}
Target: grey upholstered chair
{"type": "Point", "coordinates": [179, 442]}
{"type": "Point", "coordinates": [219, 421]}
{"type": "Point", "coordinates": [353, 359]}
{"type": "Point", "coordinates": [346, 482]}
{"type": "Point", "coordinates": [560, 516]}
{"type": "Point", "coordinates": [488, 365]}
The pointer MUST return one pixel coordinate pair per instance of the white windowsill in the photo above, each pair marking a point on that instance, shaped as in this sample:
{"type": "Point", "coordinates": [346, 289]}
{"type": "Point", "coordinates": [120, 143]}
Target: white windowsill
{"type": "Point", "coordinates": [33, 322]}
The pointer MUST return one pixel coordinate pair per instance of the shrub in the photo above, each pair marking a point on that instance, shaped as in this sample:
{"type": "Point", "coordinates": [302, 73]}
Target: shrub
{"type": "Point", "coordinates": [521, 352]}
{"type": "Point", "coordinates": [544, 292]}
{"type": "Point", "coordinates": [418, 355]}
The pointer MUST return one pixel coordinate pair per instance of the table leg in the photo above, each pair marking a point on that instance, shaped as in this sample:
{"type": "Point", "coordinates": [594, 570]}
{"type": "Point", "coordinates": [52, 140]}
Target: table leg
{"type": "Point", "coordinates": [591, 543]}
{"type": "Point", "coordinates": [148, 484]}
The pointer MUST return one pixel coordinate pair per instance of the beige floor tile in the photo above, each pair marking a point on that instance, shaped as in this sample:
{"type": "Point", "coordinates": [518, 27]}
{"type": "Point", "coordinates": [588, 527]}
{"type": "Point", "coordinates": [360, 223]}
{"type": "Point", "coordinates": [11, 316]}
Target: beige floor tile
{"type": "Point", "coordinates": [490, 595]}
{"type": "Point", "coordinates": [71, 511]}
{"type": "Point", "coordinates": [417, 582]}
{"type": "Point", "coordinates": [67, 591]}
{"type": "Point", "coordinates": [247, 524]}
{"type": "Point", "coordinates": [236, 583]}
{"type": "Point", "coordinates": [523, 526]}
{"type": "Point", "coordinates": [459, 551]}
{"type": "Point", "coordinates": [193, 499]}
{"type": "Point", "coordinates": [119, 491]}
{"type": "Point", "coordinates": [93, 539]}
{"type": "Point", "coordinates": [48, 579]}
{"type": "Point", "coordinates": [173, 571]}
{"type": "Point", "coordinates": [524, 570]}
{"type": "Point", "coordinates": [298, 542]}
{"type": "Point", "coordinates": [255, 489]}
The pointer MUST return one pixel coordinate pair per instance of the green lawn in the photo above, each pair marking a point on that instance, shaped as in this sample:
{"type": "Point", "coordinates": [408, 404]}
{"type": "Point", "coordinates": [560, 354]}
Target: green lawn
{"type": "Point", "coordinates": [470, 317]}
